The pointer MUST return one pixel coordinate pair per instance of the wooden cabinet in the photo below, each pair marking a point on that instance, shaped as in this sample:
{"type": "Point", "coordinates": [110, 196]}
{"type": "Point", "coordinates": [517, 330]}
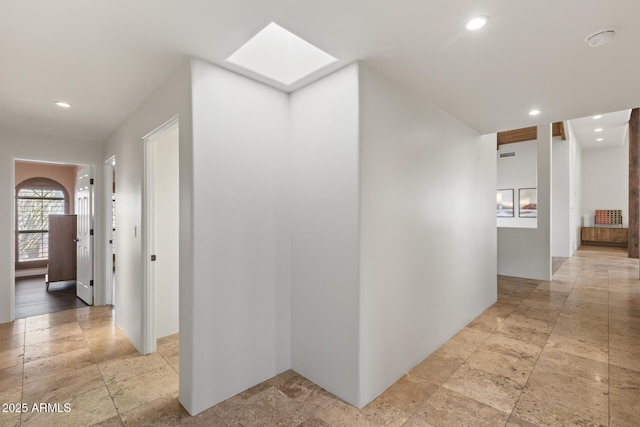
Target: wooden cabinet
{"type": "Point", "coordinates": [605, 236]}
{"type": "Point", "coordinates": [62, 248]}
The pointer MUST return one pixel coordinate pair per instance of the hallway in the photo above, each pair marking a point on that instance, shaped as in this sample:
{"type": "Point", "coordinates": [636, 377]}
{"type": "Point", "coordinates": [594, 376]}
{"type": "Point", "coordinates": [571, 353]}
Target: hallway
{"type": "Point", "coordinates": [565, 352]}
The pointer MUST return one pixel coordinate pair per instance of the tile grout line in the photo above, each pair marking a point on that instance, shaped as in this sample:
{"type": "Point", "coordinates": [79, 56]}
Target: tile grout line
{"type": "Point", "coordinates": [84, 337]}
{"type": "Point", "coordinates": [545, 343]}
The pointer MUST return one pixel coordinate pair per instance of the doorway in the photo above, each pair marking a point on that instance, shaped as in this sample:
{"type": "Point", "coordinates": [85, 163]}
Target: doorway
{"type": "Point", "coordinates": [45, 267]}
{"type": "Point", "coordinates": [161, 235]}
{"type": "Point", "coordinates": [110, 230]}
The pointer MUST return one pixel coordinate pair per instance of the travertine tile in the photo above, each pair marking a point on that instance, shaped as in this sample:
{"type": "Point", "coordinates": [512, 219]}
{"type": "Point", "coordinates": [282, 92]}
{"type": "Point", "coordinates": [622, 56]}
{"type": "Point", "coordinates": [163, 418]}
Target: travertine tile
{"type": "Point", "coordinates": [128, 366]}
{"type": "Point", "coordinates": [135, 391]}
{"type": "Point", "coordinates": [494, 390]}
{"type": "Point", "coordinates": [63, 387]}
{"type": "Point", "coordinates": [84, 410]}
{"type": "Point", "coordinates": [625, 392]}
{"type": "Point", "coordinates": [409, 393]}
{"type": "Point", "coordinates": [552, 361]}
{"type": "Point", "coordinates": [455, 350]}
{"type": "Point", "coordinates": [11, 357]}
{"type": "Point", "coordinates": [558, 399]}
{"type": "Point", "coordinates": [376, 414]}
{"type": "Point", "coordinates": [501, 365]}
{"type": "Point", "coordinates": [624, 352]}
{"type": "Point", "coordinates": [447, 408]}
{"type": "Point", "coordinates": [513, 347]}
{"type": "Point", "coordinates": [168, 412]}
{"type": "Point", "coordinates": [578, 347]}
{"type": "Point", "coordinates": [56, 332]}
{"type": "Point", "coordinates": [52, 347]}
{"type": "Point", "coordinates": [436, 368]}
{"type": "Point", "coordinates": [57, 365]}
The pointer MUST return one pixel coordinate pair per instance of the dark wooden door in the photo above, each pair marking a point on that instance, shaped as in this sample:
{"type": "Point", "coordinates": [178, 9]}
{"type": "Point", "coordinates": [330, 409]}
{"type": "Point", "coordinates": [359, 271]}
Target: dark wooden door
{"type": "Point", "coordinates": [62, 247]}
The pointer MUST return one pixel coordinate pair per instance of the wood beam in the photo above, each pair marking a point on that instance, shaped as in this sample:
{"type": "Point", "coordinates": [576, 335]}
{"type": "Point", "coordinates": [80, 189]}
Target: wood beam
{"type": "Point", "coordinates": [517, 135]}
{"type": "Point", "coordinates": [528, 134]}
{"type": "Point", "coordinates": [558, 130]}
{"type": "Point", "coordinates": [634, 184]}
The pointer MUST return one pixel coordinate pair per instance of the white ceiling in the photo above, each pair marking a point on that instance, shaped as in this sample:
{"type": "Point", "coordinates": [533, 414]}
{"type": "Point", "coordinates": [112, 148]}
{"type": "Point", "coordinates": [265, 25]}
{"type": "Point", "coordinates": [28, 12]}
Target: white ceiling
{"type": "Point", "coordinates": [106, 56]}
{"type": "Point", "coordinates": [613, 125]}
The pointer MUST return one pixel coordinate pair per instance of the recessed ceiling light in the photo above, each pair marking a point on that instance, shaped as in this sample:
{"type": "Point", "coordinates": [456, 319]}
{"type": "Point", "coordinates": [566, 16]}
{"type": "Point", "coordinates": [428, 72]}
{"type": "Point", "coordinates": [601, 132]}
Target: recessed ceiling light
{"type": "Point", "coordinates": [598, 116]}
{"type": "Point", "coordinates": [598, 130]}
{"type": "Point", "coordinates": [62, 104]}
{"type": "Point", "coordinates": [477, 23]}
{"type": "Point", "coordinates": [534, 112]}
{"type": "Point", "coordinates": [280, 55]}
{"type": "Point", "coordinates": [600, 139]}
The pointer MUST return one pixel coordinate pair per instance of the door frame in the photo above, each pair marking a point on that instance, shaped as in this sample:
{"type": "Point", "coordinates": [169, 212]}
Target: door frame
{"type": "Point", "coordinates": [109, 167]}
{"type": "Point", "coordinates": [148, 238]}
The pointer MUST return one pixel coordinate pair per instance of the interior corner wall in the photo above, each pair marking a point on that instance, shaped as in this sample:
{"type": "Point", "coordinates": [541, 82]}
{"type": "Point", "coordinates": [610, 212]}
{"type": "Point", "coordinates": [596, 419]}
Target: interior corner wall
{"type": "Point", "coordinates": [428, 239]}
{"type": "Point", "coordinates": [526, 252]}
{"type": "Point", "coordinates": [325, 218]}
{"type": "Point", "coordinates": [605, 180]}
{"type": "Point", "coordinates": [16, 145]}
{"type": "Point", "coordinates": [562, 200]}
{"type": "Point", "coordinates": [171, 98]}
{"type": "Point", "coordinates": [240, 261]}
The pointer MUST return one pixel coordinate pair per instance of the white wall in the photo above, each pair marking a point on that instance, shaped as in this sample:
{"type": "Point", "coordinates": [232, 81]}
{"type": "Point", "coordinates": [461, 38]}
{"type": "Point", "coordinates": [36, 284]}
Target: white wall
{"type": "Point", "coordinates": [515, 173]}
{"type": "Point", "coordinates": [239, 304]}
{"type": "Point", "coordinates": [126, 143]}
{"type": "Point", "coordinates": [427, 208]}
{"type": "Point", "coordinates": [167, 225]}
{"type": "Point", "coordinates": [27, 146]}
{"type": "Point", "coordinates": [605, 180]}
{"type": "Point", "coordinates": [575, 179]}
{"type": "Point", "coordinates": [526, 252]}
{"type": "Point", "coordinates": [561, 198]}
{"type": "Point", "coordinates": [325, 264]}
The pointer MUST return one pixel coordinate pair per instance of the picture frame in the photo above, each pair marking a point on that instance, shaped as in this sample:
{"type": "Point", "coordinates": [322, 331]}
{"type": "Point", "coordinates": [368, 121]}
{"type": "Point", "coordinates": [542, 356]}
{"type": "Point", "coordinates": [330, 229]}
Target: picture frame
{"type": "Point", "coordinates": [504, 203]}
{"type": "Point", "coordinates": [528, 202]}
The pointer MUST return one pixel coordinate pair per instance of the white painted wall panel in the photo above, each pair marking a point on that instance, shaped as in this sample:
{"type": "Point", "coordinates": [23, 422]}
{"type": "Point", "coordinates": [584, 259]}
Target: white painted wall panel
{"type": "Point", "coordinates": [240, 304]}
{"type": "Point", "coordinates": [561, 199]}
{"type": "Point", "coordinates": [526, 252]}
{"type": "Point", "coordinates": [325, 267]}
{"type": "Point", "coordinates": [428, 239]}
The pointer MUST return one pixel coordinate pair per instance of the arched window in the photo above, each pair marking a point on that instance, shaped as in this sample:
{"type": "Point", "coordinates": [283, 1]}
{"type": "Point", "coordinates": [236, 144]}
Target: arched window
{"type": "Point", "coordinates": [36, 199]}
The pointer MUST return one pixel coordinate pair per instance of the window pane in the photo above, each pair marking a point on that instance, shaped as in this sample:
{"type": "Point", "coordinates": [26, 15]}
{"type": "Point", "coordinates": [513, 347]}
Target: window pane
{"type": "Point", "coordinates": [33, 246]}
{"type": "Point", "coordinates": [34, 205]}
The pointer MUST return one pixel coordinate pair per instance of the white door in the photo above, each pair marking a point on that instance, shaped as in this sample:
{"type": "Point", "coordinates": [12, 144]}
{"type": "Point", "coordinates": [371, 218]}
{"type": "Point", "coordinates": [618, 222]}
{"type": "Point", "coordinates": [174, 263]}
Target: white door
{"type": "Point", "coordinates": [84, 208]}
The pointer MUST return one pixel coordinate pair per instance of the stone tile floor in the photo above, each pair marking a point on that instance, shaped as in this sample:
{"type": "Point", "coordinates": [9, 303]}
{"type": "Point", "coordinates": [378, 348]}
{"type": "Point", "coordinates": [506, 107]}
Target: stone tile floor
{"type": "Point", "coordinates": [560, 353]}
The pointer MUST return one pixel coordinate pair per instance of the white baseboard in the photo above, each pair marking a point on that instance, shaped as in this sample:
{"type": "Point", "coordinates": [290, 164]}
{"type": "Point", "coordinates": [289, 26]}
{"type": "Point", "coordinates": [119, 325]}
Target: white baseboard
{"type": "Point", "coordinates": [31, 272]}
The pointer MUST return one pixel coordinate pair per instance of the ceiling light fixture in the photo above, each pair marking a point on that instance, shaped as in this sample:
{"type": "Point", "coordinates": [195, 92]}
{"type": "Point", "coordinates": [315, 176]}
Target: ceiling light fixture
{"type": "Point", "coordinates": [534, 112]}
{"type": "Point", "coordinates": [598, 116]}
{"type": "Point", "coordinates": [477, 23]}
{"type": "Point", "coordinates": [62, 104]}
{"type": "Point", "coordinates": [600, 37]}
{"type": "Point", "coordinates": [600, 139]}
{"type": "Point", "coordinates": [598, 130]}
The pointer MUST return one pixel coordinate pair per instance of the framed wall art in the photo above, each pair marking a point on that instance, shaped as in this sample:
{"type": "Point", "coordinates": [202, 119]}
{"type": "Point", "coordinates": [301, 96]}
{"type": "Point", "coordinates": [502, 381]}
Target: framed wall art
{"type": "Point", "coordinates": [504, 202]}
{"type": "Point", "coordinates": [528, 198]}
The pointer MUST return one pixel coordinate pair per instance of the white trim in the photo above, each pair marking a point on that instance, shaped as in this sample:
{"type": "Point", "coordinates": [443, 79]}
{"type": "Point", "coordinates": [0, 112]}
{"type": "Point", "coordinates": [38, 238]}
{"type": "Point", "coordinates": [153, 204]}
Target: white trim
{"type": "Point", "coordinates": [108, 220]}
{"type": "Point", "coordinates": [148, 238]}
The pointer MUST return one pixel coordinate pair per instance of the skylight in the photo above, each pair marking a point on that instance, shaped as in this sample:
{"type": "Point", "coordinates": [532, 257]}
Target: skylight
{"type": "Point", "coordinates": [280, 55]}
